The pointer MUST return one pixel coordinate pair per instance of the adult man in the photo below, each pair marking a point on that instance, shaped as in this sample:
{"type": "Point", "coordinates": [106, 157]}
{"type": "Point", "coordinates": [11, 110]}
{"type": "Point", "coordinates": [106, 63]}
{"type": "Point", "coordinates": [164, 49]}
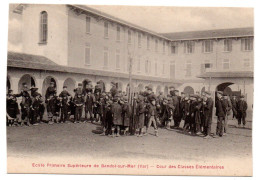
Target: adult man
{"type": "Point", "coordinates": [208, 109]}
{"type": "Point", "coordinates": [220, 113]}
{"type": "Point", "coordinates": [89, 103]}
{"type": "Point", "coordinates": [234, 103]}
{"type": "Point", "coordinates": [35, 108]}
{"type": "Point", "coordinates": [227, 108]}
{"type": "Point", "coordinates": [242, 107]}
{"type": "Point", "coordinates": [176, 112]}
{"type": "Point", "coordinates": [64, 95]}
{"type": "Point", "coordinates": [25, 104]}
{"type": "Point", "coordinates": [140, 110]}
{"type": "Point", "coordinates": [50, 101]}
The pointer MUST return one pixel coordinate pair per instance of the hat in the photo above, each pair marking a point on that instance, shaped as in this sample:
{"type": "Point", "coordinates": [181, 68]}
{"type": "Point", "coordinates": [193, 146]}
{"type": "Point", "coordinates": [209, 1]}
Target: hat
{"type": "Point", "coordinates": [183, 93]}
{"type": "Point", "coordinates": [64, 86]}
{"type": "Point", "coordinates": [220, 92]}
{"type": "Point", "coordinates": [176, 90]}
{"type": "Point", "coordinates": [242, 96]}
{"type": "Point", "coordinates": [172, 87]}
{"type": "Point", "coordinates": [24, 84]}
{"type": "Point", "coordinates": [207, 92]}
{"type": "Point", "coordinates": [34, 88]}
{"type": "Point", "coordinates": [79, 84]}
{"type": "Point", "coordinates": [10, 90]}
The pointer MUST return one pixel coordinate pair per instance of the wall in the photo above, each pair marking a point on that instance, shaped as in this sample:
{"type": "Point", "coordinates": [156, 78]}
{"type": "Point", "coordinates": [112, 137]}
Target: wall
{"type": "Point", "coordinates": [57, 46]}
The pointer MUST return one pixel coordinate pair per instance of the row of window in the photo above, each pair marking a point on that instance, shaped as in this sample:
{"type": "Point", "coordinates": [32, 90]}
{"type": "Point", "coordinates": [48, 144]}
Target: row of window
{"type": "Point", "coordinates": [207, 46]}
{"type": "Point", "coordinates": [148, 63]}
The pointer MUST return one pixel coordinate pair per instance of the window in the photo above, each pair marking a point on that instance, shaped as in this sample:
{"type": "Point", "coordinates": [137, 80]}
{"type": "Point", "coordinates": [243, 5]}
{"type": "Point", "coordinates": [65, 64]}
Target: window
{"type": "Point", "coordinates": [174, 48]}
{"type": "Point", "coordinates": [246, 63]}
{"type": "Point", "coordinates": [139, 39]}
{"type": "Point", "coordinates": [228, 45]}
{"type": "Point", "coordinates": [87, 55]}
{"type": "Point", "coordinates": [172, 69]}
{"type": "Point", "coordinates": [87, 24]}
{"type": "Point", "coordinates": [118, 33]}
{"type": "Point", "coordinates": [149, 67]}
{"type": "Point", "coordinates": [156, 45]}
{"type": "Point", "coordinates": [105, 58]}
{"type": "Point", "coordinates": [117, 59]}
{"type": "Point", "coordinates": [189, 47]}
{"type": "Point", "coordinates": [155, 67]}
{"type": "Point", "coordinates": [163, 46]}
{"type": "Point", "coordinates": [148, 42]}
{"type": "Point", "coordinates": [207, 46]}
{"type": "Point", "coordinates": [129, 36]}
{"type": "Point", "coordinates": [188, 69]}
{"type": "Point", "coordinates": [226, 64]}
{"type": "Point", "coordinates": [146, 66]}
{"type": "Point", "coordinates": [105, 29]}
{"type": "Point", "coordinates": [247, 44]}
{"type": "Point", "coordinates": [138, 64]}
{"type": "Point", "coordinates": [163, 67]}
{"type": "Point", "coordinates": [44, 27]}
{"type": "Point", "coordinates": [206, 65]}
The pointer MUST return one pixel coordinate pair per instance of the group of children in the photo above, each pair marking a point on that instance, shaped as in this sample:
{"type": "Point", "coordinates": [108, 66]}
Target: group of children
{"type": "Point", "coordinates": [120, 115]}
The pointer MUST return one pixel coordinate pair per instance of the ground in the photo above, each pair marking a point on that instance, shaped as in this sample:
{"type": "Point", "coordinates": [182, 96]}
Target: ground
{"type": "Point", "coordinates": [82, 139]}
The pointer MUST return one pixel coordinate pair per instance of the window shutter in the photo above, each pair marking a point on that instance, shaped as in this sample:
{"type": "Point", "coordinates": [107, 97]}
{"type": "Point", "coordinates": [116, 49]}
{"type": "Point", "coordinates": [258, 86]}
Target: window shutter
{"type": "Point", "coordinates": [211, 46]}
{"type": "Point", "coordinates": [203, 46]}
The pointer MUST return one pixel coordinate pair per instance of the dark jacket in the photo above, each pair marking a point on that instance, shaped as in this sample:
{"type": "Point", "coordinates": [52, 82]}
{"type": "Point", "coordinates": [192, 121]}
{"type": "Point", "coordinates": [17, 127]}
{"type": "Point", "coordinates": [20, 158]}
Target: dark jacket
{"type": "Point", "coordinates": [220, 112]}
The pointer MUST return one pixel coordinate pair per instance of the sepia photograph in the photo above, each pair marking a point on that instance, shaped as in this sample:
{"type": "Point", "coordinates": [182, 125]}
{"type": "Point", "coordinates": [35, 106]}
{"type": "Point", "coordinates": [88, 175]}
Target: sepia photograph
{"type": "Point", "coordinates": [130, 90]}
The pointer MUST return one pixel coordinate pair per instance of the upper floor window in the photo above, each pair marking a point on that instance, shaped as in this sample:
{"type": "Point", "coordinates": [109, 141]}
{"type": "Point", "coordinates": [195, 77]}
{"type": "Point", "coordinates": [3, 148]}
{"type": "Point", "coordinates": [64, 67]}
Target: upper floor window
{"type": "Point", "coordinates": [148, 42]}
{"type": "Point", "coordinates": [155, 67]}
{"type": "Point", "coordinates": [228, 45]}
{"type": "Point", "coordinates": [139, 39]}
{"type": "Point", "coordinates": [118, 33]}
{"type": "Point", "coordinates": [87, 55]}
{"type": "Point", "coordinates": [246, 63]}
{"type": "Point", "coordinates": [87, 24]}
{"type": "Point", "coordinates": [138, 64]}
{"type": "Point", "coordinates": [189, 47]}
{"type": "Point", "coordinates": [156, 45]}
{"type": "Point", "coordinates": [226, 64]}
{"type": "Point", "coordinates": [247, 44]}
{"type": "Point", "coordinates": [129, 36]}
{"type": "Point", "coordinates": [172, 69]}
{"type": "Point", "coordinates": [163, 47]}
{"type": "Point", "coordinates": [163, 67]}
{"type": "Point", "coordinates": [43, 27]}
{"type": "Point", "coordinates": [174, 48]}
{"type": "Point", "coordinates": [188, 68]}
{"type": "Point", "coordinates": [105, 29]}
{"type": "Point", "coordinates": [105, 65]}
{"type": "Point", "coordinates": [146, 66]}
{"type": "Point", "coordinates": [207, 46]}
{"type": "Point", "coordinates": [117, 59]}
{"type": "Point", "coordinates": [207, 64]}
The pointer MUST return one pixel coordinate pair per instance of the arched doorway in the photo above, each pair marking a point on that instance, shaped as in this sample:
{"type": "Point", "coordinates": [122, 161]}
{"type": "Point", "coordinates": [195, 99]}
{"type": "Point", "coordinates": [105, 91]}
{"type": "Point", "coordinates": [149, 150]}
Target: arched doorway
{"type": "Point", "coordinates": [71, 84]}
{"type": "Point", "coordinates": [158, 89]}
{"type": "Point", "coordinates": [46, 84]}
{"type": "Point", "coordinates": [165, 90]}
{"type": "Point", "coordinates": [28, 79]}
{"type": "Point", "coordinates": [228, 89]}
{"type": "Point", "coordinates": [188, 90]}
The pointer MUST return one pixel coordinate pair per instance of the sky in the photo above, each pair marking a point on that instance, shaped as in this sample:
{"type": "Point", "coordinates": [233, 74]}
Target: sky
{"type": "Point", "coordinates": [161, 19]}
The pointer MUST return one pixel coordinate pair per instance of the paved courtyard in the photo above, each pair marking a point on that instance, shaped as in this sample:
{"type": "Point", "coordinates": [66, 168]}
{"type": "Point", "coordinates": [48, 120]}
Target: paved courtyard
{"type": "Point", "coordinates": [83, 139]}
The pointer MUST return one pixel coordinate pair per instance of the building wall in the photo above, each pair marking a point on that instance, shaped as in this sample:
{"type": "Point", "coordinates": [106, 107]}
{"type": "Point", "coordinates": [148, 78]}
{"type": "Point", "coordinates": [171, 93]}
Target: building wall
{"type": "Point", "coordinates": [56, 47]}
{"type": "Point", "coordinates": [78, 39]}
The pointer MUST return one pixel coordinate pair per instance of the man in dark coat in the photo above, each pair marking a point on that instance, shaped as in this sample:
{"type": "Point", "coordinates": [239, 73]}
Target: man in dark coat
{"type": "Point", "coordinates": [116, 110]}
{"type": "Point", "coordinates": [241, 109]}
{"type": "Point", "coordinates": [79, 102]}
{"type": "Point", "coordinates": [64, 95]}
{"type": "Point", "coordinates": [126, 114]}
{"type": "Point", "coordinates": [208, 109]}
{"type": "Point", "coordinates": [113, 89]}
{"type": "Point", "coordinates": [227, 108]}
{"type": "Point", "coordinates": [35, 108]}
{"type": "Point", "coordinates": [140, 110]}
{"type": "Point", "coordinates": [187, 115]}
{"type": "Point", "coordinates": [220, 113]}
{"type": "Point", "coordinates": [234, 103]}
{"type": "Point", "coordinates": [50, 101]}
{"type": "Point", "coordinates": [89, 103]}
{"type": "Point", "coordinates": [25, 104]}
{"type": "Point", "coordinates": [176, 112]}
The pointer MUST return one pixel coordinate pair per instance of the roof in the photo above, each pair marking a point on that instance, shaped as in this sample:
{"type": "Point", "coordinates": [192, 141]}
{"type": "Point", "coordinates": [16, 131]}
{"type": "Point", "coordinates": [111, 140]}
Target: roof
{"type": "Point", "coordinates": [232, 74]}
{"type": "Point", "coordinates": [120, 21]}
{"type": "Point", "coordinates": [35, 62]}
{"type": "Point", "coordinates": [209, 34]}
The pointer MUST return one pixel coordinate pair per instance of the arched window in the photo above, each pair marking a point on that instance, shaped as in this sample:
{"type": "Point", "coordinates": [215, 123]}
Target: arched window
{"type": "Point", "coordinates": [43, 27]}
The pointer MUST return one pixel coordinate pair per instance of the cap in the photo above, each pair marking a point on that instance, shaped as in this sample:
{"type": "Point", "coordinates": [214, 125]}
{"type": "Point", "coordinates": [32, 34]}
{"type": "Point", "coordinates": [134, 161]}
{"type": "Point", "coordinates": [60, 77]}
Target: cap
{"type": "Point", "coordinates": [183, 93]}
{"type": "Point", "coordinates": [172, 87]}
{"type": "Point", "coordinates": [79, 84]}
{"type": "Point", "coordinates": [242, 96]}
{"type": "Point", "coordinates": [64, 86]}
{"type": "Point", "coordinates": [24, 84]}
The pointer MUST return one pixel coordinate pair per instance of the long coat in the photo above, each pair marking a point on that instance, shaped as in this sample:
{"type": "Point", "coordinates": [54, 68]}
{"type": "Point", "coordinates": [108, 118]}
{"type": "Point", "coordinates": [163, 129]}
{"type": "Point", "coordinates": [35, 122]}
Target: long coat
{"type": "Point", "coordinates": [116, 110]}
{"type": "Point", "coordinates": [208, 111]}
{"type": "Point", "coordinates": [140, 110]}
{"type": "Point", "coordinates": [242, 107]}
{"type": "Point", "coordinates": [127, 112]}
{"type": "Point", "coordinates": [220, 108]}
